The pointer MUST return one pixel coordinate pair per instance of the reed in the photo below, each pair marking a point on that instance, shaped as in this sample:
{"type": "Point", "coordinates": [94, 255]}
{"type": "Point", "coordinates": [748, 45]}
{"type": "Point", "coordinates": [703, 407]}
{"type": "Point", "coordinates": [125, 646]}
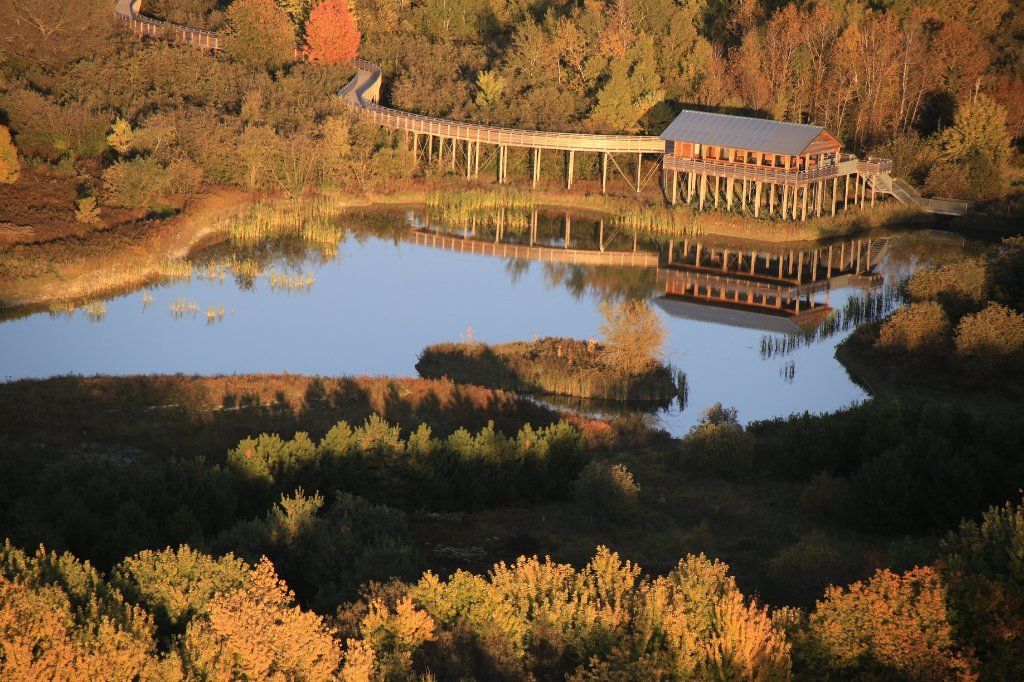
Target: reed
{"type": "Point", "coordinates": [311, 219]}
{"type": "Point", "coordinates": [178, 269]}
{"type": "Point", "coordinates": [182, 306]}
{"type": "Point", "coordinates": [95, 310]}
{"type": "Point", "coordinates": [214, 314]}
{"type": "Point", "coordinates": [286, 282]}
{"type": "Point", "coordinates": [61, 307]}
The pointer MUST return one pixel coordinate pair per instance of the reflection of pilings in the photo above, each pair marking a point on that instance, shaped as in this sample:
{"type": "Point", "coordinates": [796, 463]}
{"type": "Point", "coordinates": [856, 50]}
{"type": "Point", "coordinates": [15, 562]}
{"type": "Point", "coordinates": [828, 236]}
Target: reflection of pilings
{"type": "Point", "coordinates": [809, 265]}
{"type": "Point", "coordinates": [735, 291]}
{"type": "Point", "coordinates": [630, 259]}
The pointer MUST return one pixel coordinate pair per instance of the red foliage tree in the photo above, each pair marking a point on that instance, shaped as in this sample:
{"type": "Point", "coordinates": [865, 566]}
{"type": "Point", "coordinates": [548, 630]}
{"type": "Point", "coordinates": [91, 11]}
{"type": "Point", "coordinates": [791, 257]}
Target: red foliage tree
{"type": "Point", "coordinates": [332, 35]}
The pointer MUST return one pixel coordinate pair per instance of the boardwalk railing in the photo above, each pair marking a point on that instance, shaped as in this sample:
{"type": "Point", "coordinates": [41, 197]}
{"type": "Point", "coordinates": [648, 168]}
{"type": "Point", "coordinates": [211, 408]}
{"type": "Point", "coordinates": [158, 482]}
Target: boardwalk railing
{"type": "Point", "coordinates": [363, 91]}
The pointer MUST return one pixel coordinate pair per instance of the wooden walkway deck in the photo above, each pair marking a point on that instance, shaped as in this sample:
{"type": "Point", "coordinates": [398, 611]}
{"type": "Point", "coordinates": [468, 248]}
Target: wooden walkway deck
{"type": "Point", "coordinates": [362, 94]}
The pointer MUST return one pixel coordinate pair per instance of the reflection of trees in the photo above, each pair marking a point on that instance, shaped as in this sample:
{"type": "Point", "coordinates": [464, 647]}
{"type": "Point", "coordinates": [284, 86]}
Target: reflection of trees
{"type": "Point", "coordinates": [516, 269]}
{"type": "Point", "coordinates": [602, 281]}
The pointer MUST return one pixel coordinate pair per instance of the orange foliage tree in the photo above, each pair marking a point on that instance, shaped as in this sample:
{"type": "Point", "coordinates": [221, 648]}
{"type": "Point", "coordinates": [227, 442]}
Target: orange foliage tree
{"type": "Point", "coordinates": [332, 35]}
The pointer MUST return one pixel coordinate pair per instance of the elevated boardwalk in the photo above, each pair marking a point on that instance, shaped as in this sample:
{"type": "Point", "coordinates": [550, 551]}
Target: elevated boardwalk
{"type": "Point", "coordinates": [543, 254]}
{"type": "Point", "coordinates": [730, 181]}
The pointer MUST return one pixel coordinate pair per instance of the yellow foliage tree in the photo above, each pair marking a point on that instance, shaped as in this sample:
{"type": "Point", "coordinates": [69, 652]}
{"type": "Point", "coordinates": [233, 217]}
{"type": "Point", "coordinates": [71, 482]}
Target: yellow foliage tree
{"type": "Point", "coordinates": [257, 632]}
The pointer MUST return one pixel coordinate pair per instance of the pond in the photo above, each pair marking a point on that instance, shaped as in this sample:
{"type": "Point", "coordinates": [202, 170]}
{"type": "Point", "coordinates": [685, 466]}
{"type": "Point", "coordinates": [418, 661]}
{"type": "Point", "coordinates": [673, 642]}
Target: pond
{"type": "Point", "coordinates": [753, 326]}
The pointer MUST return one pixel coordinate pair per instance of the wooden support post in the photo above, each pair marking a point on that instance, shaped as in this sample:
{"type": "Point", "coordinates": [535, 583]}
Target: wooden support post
{"type": "Point", "coordinates": [803, 207]}
{"type": "Point", "coordinates": [604, 172]}
{"type": "Point", "coordinates": [743, 201]}
{"type": "Point", "coordinates": [675, 186]}
{"type": "Point", "coordinates": [454, 142]}
{"type": "Point", "coordinates": [757, 199]}
{"type": "Point", "coordinates": [536, 167]}
{"type": "Point", "coordinates": [572, 159]}
{"type": "Point", "coordinates": [639, 169]}
{"type": "Point", "coordinates": [717, 181]}
{"type": "Point", "coordinates": [873, 191]}
{"type": "Point", "coordinates": [703, 190]}
{"type": "Point", "coordinates": [835, 186]}
{"type": "Point", "coordinates": [440, 150]}
{"type": "Point", "coordinates": [476, 160]}
{"type": "Point", "coordinates": [818, 198]}
{"type": "Point", "coordinates": [771, 198]}
{"type": "Point", "coordinates": [415, 148]}
{"type": "Point", "coordinates": [729, 187]}
{"type": "Point", "coordinates": [430, 148]}
{"type": "Point", "coordinates": [785, 193]}
{"type": "Point", "coordinates": [689, 186]}
{"type": "Point", "coordinates": [846, 193]}
{"type": "Point", "coordinates": [469, 159]}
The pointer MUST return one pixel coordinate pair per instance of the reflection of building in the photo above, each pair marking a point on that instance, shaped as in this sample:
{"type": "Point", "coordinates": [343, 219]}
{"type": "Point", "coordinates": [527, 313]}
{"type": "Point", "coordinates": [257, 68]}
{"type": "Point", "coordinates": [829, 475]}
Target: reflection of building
{"type": "Point", "coordinates": [781, 291]}
{"type": "Point", "coordinates": [733, 282]}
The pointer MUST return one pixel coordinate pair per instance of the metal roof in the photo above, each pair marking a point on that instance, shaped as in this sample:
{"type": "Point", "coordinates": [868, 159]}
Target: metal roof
{"type": "Point", "coordinates": [741, 132]}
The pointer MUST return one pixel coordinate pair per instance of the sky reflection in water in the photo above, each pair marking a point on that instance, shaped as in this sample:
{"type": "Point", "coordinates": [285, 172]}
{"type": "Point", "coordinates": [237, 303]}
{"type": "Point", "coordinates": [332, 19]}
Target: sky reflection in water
{"type": "Point", "coordinates": [375, 306]}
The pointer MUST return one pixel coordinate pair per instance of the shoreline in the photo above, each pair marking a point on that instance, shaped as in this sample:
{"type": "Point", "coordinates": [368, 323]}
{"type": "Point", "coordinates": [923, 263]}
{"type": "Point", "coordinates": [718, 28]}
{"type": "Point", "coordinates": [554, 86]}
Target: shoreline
{"type": "Point", "coordinates": [202, 220]}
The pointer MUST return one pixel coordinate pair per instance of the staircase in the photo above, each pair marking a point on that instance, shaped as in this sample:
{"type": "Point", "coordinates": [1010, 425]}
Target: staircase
{"type": "Point", "coordinates": [905, 194]}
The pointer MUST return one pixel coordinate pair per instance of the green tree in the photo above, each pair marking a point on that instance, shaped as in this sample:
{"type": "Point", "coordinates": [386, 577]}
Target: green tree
{"type": "Point", "coordinates": [979, 137]}
{"type": "Point", "coordinates": [633, 335]}
{"type": "Point", "coordinates": [259, 33]}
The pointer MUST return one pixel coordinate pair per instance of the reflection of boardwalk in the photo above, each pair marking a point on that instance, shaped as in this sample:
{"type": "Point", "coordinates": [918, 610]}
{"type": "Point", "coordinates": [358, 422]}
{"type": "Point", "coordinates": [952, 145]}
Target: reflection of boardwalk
{"type": "Point", "coordinates": [544, 254]}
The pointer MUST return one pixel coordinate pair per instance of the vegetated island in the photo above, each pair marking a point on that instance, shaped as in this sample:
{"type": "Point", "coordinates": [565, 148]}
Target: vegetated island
{"type": "Point", "coordinates": [627, 366]}
{"type": "Point", "coordinates": [552, 365]}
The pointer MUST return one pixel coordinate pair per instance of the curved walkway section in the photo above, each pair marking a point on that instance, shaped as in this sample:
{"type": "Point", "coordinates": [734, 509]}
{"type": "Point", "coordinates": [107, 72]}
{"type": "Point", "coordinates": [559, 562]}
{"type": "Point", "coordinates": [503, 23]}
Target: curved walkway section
{"type": "Point", "coordinates": [128, 11]}
{"type": "Point", "coordinates": [363, 92]}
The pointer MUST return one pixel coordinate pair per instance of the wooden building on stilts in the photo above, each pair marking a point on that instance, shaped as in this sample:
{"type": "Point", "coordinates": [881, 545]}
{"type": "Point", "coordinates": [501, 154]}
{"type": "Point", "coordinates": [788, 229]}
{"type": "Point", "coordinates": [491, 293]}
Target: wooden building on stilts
{"type": "Point", "coordinates": [779, 169]}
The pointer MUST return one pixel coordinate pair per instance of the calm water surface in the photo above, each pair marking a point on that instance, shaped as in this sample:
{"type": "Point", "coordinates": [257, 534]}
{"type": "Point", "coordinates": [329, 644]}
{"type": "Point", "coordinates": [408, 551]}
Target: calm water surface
{"type": "Point", "coordinates": [380, 298]}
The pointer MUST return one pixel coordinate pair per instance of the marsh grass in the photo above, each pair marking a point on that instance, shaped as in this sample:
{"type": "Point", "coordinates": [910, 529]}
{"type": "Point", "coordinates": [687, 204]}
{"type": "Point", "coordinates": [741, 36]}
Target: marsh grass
{"type": "Point", "coordinates": [214, 314]}
{"type": "Point", "coordinates": [311, 219]}
{"type": "Point", "coordinates": [95, 311]}
{"type": "Point", "coordinates": [284, 281]}
{"type": "Point", "coordinates": [182, 307]}
{"type": "Point", "coordinates": [553, 366]}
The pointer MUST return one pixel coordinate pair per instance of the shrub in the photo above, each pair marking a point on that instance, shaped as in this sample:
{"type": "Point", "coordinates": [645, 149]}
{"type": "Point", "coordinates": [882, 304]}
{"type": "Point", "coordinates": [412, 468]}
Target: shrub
{"type": "Point", "coordinates": [961, 285]}
{"type": "Point", "coordinates": [719, 443]}
{"type": "Point", "coordinates": [992, 337]}
{"type": "Point", "coordinates": [607, 492]}
{"type": "Point", "coordinates": [87, 213]}
{"type": "Point", "coordinates": [891, 626]}
{"type": "Point", "coordinates": [135, 184]}
{"type": "Point", "coordinates": [10, 169]}
{"type": "Point", "coordinates": [259, 34]}
{"type": "Point", "coordinates": [633, 336]}
{"type": "Point", "coordinates": [916, 328]}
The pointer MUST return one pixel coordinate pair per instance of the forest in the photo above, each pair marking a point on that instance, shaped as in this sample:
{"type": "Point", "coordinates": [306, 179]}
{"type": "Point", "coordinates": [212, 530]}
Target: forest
{"type": "Point", "coordinates": [280, 527]}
